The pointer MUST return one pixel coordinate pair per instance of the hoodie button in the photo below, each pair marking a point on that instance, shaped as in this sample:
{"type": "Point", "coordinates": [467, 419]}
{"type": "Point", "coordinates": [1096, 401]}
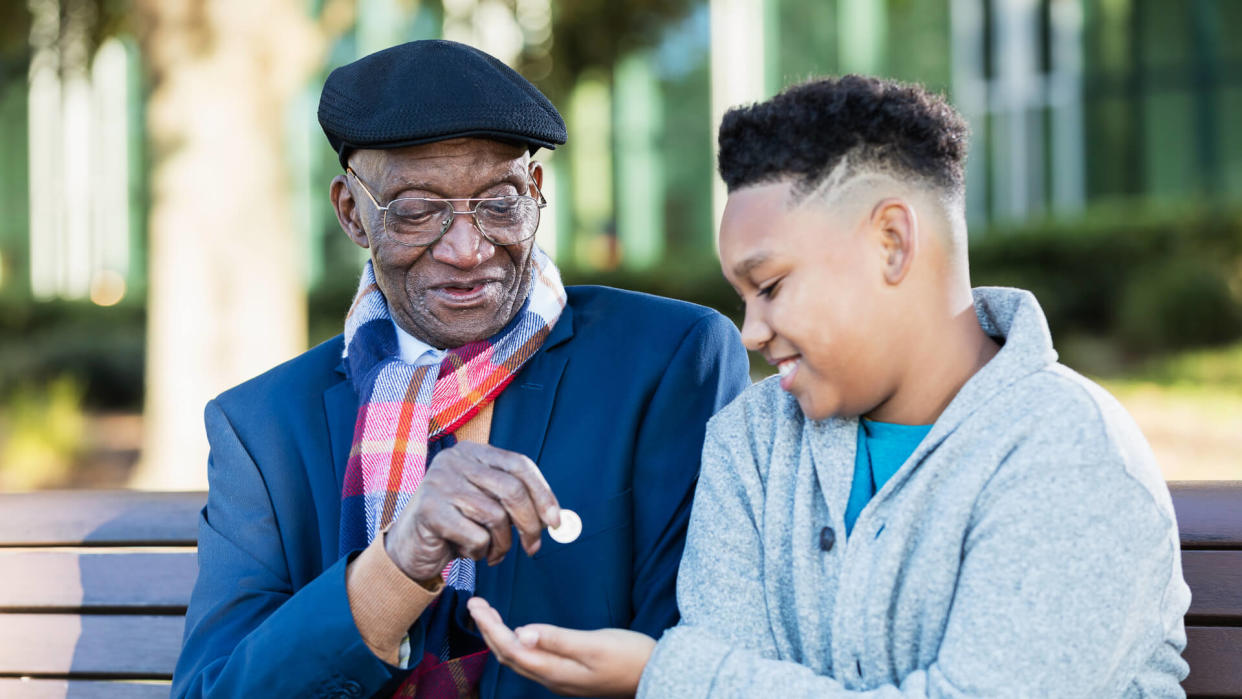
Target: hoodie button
{"type": "Point", "coordinates": [827, 537]}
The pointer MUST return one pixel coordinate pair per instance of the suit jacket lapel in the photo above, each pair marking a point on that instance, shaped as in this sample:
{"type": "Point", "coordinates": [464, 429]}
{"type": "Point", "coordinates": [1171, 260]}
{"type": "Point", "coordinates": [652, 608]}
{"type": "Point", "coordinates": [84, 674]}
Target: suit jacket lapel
{"type": "Point", "coordinates": [341, 404]}
{"type": "Point", "coordinates": [520, 420]}
{"type": "Point", "coordinates": [520, 423]}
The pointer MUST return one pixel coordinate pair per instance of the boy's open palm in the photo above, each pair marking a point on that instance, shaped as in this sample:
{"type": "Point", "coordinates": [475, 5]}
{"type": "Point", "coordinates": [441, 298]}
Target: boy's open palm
{"type": "Point", "coordinates": [606, 662]}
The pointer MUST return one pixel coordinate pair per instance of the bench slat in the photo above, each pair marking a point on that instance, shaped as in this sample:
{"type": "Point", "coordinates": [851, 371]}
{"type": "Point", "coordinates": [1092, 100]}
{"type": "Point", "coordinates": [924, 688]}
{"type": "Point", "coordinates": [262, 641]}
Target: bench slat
{"type": "Point", "coordinates": [1215, 579]}
{"type": "Point", "coordinates": [14, 688]}
{"type": "Point", "coordinates": [94, 646]}
{"type": "Point", "coordinates": [1213, 654]}
{"type": "Point", "coordinates": [1207, 513]}
{"type": "Point", "coordinates": [52, 579]}
{"type": "Point", "coordinates": [68, 518]}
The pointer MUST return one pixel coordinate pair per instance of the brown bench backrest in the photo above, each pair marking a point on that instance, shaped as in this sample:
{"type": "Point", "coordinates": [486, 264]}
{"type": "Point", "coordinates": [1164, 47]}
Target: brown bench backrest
{"type": "Point", "coordinates": [93, 591]}
{"type": "Point", "coordinates": [1209, 518]}
{"type": "Point", "coordinates": [94, 585]}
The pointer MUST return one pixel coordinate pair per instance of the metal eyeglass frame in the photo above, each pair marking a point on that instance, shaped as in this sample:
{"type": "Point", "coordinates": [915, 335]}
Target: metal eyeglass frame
{"type": "Point", "coordinates": [540, 204]}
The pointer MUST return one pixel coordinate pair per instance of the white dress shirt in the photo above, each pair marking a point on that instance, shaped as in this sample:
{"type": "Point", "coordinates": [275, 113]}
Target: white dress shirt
{"type": "Point", "coordinates": [414, 351]}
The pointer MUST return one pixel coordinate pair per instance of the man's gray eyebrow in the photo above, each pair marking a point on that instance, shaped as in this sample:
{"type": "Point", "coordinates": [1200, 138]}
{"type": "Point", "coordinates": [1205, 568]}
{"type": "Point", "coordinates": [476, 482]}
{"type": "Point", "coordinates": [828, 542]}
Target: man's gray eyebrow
{"type": "Point", "coordinates": [410, 184]}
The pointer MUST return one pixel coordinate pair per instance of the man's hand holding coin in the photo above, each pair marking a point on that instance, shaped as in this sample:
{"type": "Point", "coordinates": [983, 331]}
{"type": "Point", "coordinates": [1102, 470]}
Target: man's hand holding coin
{"type": "Point", "coordinates": [467, 506]}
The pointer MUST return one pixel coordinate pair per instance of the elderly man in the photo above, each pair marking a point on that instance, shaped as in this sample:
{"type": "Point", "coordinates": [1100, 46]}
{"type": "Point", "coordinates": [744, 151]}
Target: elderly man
{"type": "Point", "coordinates": [363, 491]}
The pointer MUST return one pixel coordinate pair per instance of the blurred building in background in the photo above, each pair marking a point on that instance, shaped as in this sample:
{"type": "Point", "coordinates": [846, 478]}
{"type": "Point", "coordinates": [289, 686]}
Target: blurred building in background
{"type": "Point", "coordinates": [167, 233]}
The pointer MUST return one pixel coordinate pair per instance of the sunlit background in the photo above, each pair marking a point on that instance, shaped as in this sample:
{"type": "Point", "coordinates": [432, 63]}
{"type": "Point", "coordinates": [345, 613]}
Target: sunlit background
{"type": "Point", "coordinates": [165, 230]}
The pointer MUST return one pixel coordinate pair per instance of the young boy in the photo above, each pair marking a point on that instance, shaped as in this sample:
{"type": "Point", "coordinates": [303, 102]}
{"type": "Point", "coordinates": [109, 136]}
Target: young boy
{"type": "Point", "coordinates": [923, 503]}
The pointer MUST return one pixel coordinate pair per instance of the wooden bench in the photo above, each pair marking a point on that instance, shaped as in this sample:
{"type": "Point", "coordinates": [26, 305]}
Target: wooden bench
{"type": "Point", "coordinates": [93, 589]}
{"type": "Point", "coordinates": [1209, 519]}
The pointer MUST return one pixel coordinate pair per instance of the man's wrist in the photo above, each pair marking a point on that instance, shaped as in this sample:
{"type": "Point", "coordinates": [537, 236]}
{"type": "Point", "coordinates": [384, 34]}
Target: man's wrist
{"type": "Point", "coordinates": [383, 601]}
{"type": "Point", "coordinates": [432, 583]}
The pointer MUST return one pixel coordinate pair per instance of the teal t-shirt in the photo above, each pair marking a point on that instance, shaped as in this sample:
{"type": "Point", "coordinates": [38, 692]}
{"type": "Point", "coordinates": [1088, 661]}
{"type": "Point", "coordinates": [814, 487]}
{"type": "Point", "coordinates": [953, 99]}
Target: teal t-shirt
{"type": "Point", "coordinates": [882, 448]}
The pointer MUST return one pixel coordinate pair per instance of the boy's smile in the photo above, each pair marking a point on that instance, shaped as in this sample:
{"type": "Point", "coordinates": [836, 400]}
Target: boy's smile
{"type": "Point", "coordinates": [786, 368]}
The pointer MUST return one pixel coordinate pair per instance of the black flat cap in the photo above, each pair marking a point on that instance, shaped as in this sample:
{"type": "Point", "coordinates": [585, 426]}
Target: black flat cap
{"type": "Point", "coordinates": [433, 90]}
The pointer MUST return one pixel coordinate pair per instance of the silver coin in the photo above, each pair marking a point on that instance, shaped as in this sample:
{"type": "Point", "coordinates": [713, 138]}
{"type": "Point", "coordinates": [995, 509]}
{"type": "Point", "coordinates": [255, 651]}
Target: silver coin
{"type": "Point", "coordinates": [570, 529]}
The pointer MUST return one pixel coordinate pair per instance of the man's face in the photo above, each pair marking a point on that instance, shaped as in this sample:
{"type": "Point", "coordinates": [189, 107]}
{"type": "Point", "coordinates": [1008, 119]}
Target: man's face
{"type": "Point", "coordinates": [463, 288]}
{"type": "Point", "coordinates": [811, 279]}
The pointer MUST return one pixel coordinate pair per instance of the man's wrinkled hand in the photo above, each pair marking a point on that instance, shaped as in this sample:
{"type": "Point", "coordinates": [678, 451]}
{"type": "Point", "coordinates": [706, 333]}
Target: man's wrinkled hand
{"type": "Point", "coordinates": [607, 662]}
{"type": "Point", "coordinates": [467, 506]}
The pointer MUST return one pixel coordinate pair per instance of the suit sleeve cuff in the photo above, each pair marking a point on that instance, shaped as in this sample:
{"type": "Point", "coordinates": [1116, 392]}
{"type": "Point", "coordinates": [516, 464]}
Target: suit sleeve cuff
{"type": "Point", "coordinates": [384, 601]}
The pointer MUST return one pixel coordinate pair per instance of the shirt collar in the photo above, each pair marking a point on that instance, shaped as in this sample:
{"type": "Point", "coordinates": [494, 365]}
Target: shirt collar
{"type": "Point", "coordinates": [413, 350]}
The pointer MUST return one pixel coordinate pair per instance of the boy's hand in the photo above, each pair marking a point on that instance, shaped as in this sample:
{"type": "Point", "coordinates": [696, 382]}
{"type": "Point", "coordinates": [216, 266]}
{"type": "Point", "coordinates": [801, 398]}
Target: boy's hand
{"type": "Point", "coordinates": [607, 662]}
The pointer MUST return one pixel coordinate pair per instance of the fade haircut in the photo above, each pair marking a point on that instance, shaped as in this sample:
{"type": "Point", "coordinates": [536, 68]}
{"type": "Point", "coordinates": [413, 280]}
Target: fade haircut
{"type": "Point", "coordinates": [824, 132]}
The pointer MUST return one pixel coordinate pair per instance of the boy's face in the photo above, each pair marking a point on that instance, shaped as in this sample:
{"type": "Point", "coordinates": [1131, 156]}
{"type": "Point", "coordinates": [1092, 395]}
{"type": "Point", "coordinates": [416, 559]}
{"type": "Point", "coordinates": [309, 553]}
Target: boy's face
{"type": "Point", "coordinates": [811, 277]}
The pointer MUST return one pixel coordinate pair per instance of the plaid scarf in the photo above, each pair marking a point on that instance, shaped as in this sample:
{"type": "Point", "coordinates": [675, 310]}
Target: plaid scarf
{"type": "Point", "coordinates": [407, 411]}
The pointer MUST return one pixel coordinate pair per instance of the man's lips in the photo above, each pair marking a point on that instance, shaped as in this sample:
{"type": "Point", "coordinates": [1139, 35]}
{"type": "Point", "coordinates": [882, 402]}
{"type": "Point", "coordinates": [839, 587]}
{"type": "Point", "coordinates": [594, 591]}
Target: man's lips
{"type": "Point", "coordinates": [463, 293]}
{"type": "Point", "coordinates": [466, 283]}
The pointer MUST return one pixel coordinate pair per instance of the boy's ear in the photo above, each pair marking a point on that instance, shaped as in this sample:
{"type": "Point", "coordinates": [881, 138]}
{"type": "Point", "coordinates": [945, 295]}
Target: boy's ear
{"type": "Point", "coordinates": [895, 222]}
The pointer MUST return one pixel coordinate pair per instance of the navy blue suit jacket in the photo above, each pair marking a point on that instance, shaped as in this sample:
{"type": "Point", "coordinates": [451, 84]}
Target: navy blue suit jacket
{"type": "Point", "coordinates": [612, 408]}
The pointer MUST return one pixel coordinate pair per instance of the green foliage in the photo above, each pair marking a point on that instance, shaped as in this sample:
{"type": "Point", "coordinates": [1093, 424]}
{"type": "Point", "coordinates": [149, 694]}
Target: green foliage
{"type": "Point", "coordinates": [101, 348]}
{"type": "Point", "coordinates": [14, 32]}
{"type": "Point", "coordinates": [1185, 303]}
{"type": "Point", "coordinates": [40, 434]}
{"type": "Point", "coordinates": [327, 304]}
{"type": "Point", "coordinates": [1219, 368]}
{"type": "Point", "coordinates": [1151, 280]}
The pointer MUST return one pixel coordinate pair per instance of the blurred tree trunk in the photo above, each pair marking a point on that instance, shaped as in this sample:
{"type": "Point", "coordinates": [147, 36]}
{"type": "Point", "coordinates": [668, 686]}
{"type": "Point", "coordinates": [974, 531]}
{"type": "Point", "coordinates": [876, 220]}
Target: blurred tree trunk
{"type": "Point", "coordinates": [227, 295]}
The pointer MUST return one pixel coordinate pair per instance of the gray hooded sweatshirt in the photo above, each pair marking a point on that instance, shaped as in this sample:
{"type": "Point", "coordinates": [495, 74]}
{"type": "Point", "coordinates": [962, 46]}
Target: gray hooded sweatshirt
{"type": "Point", "coordinates": [1027, 547]}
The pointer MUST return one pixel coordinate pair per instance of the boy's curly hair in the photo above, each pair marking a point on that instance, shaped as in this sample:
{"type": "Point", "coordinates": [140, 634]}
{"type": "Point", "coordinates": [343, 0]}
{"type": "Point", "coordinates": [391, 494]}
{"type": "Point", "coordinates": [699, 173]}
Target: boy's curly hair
{"type": "Point", "coordinates": [807, 130]}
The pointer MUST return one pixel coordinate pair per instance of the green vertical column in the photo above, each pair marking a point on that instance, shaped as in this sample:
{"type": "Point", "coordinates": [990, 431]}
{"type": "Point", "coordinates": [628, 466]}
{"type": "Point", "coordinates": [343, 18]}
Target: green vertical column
{"type": "Point", "coordinates": [773, 77]}
{"type": "Point", "coordinates": [563, 203]}
{"type": "Point", "coordinates": [1136, 89]}
{"type": "Point", "coordinates": [139, 168]}
{"type": "Point", "coordinates": [380, 24]}
{"type": "Point", "coordinates": [863, 35]}
{"type": "Point", "coordinates": [1205, 35]}
{"type": "Point", "coordinates": [640, 172]}
{"type": "Point", "coordinates": [14, 195]}
{"type": "Point", "coordinates": [589, 153]}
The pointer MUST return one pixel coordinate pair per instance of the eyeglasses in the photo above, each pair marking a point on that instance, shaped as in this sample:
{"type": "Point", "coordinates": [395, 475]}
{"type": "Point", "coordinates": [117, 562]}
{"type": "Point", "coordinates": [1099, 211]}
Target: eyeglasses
{"type": "Point", "coordinates": [420, 222]}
